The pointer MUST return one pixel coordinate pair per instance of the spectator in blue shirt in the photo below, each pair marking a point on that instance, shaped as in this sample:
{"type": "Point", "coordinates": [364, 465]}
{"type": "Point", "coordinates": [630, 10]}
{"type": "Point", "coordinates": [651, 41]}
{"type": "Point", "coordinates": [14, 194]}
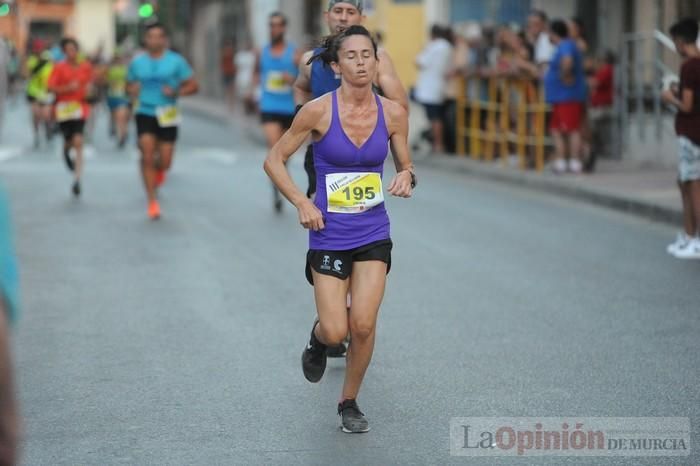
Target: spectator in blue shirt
{"type": "Point", "coordinates": [565, 90]}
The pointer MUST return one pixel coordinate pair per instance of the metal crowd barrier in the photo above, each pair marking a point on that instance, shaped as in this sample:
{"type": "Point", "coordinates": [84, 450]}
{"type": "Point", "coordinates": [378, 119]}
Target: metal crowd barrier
{"type": "Point", "coordinates": [502, 117]}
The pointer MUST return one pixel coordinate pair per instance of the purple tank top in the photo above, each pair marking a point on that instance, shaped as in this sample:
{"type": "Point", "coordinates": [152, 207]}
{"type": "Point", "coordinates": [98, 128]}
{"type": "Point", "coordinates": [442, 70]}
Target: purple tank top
{"type": "Point", "coordinates": [336, 153]}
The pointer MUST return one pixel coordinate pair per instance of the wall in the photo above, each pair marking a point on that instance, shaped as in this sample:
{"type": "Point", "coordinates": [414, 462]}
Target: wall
{"type": "Point", "coordinates": [205, 45]}
{"type": "Point", "coordinates": [16, 26]}
{"type": "Point", "coordinates": [94, 25]}
{"type": "Point", "coordinates": [405, 32]}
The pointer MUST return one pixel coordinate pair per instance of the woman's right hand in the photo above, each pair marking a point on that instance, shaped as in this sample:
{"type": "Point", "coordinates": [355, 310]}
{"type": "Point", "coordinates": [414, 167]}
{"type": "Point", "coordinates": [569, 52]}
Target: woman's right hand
{"type": "Point", "coordinates": [310, 216]}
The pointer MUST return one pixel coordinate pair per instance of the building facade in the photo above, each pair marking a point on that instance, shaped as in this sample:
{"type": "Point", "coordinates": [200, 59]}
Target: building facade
{"type": "Point", "coordinates": [91, 22]}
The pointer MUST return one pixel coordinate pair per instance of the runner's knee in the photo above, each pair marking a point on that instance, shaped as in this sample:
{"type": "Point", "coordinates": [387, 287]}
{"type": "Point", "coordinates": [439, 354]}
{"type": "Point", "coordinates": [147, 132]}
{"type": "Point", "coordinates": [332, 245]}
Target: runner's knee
{"type": "Point", "coordinates": [362, 328]}
{"type": "Point", "coordinates": [333, 333]}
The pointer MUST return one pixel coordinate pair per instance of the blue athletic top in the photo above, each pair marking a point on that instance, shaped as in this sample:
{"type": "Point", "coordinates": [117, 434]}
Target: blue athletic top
{"type": "Point", "coordinates": [9, 277]}
{"type": "Point", "coordinates": [323, 78]}
{"type": "Point", "coordinates": [277, 96]}
{"type": "Point", "coordinates": [336, 153]}
{"type": "Point", "coordinates": [170, 69]}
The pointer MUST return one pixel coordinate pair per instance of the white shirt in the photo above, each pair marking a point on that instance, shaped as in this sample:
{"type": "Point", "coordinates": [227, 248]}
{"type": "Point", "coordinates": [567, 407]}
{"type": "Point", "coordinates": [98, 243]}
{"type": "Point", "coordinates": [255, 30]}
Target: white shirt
{"type": "Point", "coordinates": [543, 49]}
{"type": "Point", "coordinates": [245, 64]}
{"type": "Point", "coordinates": [434, 62]}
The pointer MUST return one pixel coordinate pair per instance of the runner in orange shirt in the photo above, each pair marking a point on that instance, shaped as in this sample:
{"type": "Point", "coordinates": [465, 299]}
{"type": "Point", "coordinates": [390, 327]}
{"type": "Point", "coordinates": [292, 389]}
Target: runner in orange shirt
{"type": "Point", "coordinates": [70, 81]}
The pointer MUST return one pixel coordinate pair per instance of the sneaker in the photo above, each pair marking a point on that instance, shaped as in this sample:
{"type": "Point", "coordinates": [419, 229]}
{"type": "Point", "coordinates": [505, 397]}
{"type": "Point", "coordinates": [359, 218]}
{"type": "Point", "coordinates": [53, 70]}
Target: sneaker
{"type": "Point", "coordinates": [575, 166]}
{"type": "Point", "coordinates": [154, 210]}
{"type": "Point", "coordinates": [691, 250]}
{"type": "Point", "coordinates": [76, 189]}
{"type": "Point", "coordinates": [681, 240]}
{"type": "Point", "coordinates": [559, 166]}
{"type": "Point", "coordinates": [353, 421]}
{"type": "Point", "coordinates": [313, 359]}
{"type": "Point", "coordinates": [336, 351]}
{"type": "Point", "coordinates": [160, 178]}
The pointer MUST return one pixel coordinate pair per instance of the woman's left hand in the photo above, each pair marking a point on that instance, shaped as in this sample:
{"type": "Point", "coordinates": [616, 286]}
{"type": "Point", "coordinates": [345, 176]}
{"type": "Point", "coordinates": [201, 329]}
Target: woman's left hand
{"type": "Point", "coordinates": [401, 184]}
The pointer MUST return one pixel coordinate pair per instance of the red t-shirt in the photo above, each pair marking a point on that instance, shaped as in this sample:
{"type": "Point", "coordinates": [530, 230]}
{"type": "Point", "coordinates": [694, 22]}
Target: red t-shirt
{"type": "Point", "coordinates": [602, 95]}
{"type": "Point", "coordinates": [64, 73]}
{"type": "Point", "coordinates": [688, 124]}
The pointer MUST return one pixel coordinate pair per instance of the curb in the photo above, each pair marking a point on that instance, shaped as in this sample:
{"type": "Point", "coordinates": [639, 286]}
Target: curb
{"type": "Point", "coordinates": [542, 183]}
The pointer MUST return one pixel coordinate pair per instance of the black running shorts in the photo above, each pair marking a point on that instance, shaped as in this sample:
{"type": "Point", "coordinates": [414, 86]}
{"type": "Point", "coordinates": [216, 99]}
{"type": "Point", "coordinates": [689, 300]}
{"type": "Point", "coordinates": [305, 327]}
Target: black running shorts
{"type": "Point", "coordinates": [285, 121]}
{"type": "Point", "coordinates": [71, 127]}
{"type": "Point", "coordinates": [339, 263]}
{"type": "Point", "coordinates": [146, 124]}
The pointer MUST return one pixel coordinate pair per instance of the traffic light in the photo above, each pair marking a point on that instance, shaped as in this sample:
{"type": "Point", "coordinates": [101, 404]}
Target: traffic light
{"type": "Point", "coordinates": [146, 10]}
{"type": "Point", "coordinates": [4, 9]}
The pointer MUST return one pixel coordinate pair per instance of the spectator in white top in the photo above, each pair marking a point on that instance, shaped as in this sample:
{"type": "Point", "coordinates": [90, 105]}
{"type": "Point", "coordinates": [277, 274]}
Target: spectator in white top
{"type": "Point", "coordinates": [434, 63]}
{"type": "Point", "coordinates": [537, 34]}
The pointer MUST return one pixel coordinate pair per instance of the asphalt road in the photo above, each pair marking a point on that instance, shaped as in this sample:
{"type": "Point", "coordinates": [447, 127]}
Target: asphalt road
{"type": "Point", "coordinates": [177, 342]}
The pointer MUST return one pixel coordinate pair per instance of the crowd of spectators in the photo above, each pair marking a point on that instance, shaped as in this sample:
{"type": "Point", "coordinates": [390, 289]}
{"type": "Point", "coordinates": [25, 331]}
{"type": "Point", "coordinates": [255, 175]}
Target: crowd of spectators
{"type": "Point", "coordinates": [553, 55]}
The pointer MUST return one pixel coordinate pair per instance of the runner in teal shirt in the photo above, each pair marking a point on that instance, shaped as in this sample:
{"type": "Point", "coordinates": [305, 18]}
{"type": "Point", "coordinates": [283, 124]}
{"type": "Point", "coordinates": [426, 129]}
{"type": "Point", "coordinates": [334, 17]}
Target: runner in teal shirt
{"type": "Point", "coordinates": [171, 69]}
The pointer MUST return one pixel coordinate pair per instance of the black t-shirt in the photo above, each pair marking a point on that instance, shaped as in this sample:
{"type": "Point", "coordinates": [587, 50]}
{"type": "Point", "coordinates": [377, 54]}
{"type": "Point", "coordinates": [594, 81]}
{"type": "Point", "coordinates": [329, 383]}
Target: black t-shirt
{"type": "Point", "coordinates": [688, 124]}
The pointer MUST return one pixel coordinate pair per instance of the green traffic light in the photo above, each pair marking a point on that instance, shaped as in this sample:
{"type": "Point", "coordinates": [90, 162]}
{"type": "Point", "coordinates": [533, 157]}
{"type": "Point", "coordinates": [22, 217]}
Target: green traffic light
{"type": "Point", "coordinates": [146, 10]}
{"type": "Point", "coordinates": [4, 9]}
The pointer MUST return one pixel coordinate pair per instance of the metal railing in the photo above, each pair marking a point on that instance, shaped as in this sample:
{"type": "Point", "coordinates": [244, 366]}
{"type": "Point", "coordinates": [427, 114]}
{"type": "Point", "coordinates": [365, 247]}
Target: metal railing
{"type": "Point", "coordinates": [640, 81]}
{"type": "Point", "coordinates": [502, 117]}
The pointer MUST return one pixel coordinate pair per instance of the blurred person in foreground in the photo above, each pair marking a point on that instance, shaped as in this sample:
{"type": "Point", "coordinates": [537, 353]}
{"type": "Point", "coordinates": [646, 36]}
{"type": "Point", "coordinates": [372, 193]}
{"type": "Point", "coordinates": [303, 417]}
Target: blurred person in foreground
{"type": "Point", "coordinates": [9, 413]}
{"type": "Point", "coordinates": [565, 90]}
{"type": "Point", "coordinates": [686, 98]}
{"type": "Point", "coordinates": [434, 68]}
{"type": "Point", "coordinates": [71, 81]}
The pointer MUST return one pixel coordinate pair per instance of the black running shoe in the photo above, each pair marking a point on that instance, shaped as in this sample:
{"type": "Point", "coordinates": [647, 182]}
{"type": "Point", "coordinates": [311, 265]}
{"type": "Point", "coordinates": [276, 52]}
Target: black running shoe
{"type": "Point", "coordinates": [353, 421]}
{"type": "Point", "coordinates": [76, 188]}
{"type": "Point", "coordinates": [69, 161]}
{"type": "Point", "coordinates": [336, 351]}
{"type": "Point", "coordinates": [313, 359]}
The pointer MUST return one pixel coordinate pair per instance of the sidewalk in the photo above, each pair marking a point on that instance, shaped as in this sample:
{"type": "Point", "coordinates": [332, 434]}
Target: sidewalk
{"type": "Point", "coordinates": [624, 186]}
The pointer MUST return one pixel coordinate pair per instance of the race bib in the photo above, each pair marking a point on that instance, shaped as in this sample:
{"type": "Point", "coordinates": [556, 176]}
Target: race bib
{"type": "Point", "coordinates": [353, 193]}
{"type": "Point", "coordinates": [66, 111]}
{"type": "Point", "coordinates": [276, 83]}
{"type": "Point", "coordinates": [168, 116]}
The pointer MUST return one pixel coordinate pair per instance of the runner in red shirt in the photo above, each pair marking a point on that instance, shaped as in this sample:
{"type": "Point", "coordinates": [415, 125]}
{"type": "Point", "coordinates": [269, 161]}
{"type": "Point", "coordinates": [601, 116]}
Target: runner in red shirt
{"type": "Point", "coordinates": [70, 81]}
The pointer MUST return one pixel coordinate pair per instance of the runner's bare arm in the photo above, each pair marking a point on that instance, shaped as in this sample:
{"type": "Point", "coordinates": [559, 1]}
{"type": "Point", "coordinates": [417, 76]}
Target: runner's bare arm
{"type": "Point", "coordinates": [302, 86]}
{"type": "Point", "coordinates": [397, 119]}
{"type": "Point", "coordinates": [256, 74]}
{"type": "Point", "coordinates": [188, 87]}
{"type": "Point", "coordinates": [9, 419]}
{"type": "Point", "coordinates": [307, 120]}
{"type": "Point", "coordinates": [388, 81]}
{"type": "Point", "coordinates": [133, 88]}
{"type": "Point", "coordinates": [684, 104]}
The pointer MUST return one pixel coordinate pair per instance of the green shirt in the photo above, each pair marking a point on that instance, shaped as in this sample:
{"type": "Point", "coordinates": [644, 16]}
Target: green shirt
{"type": "Point", "coordinates": [39, 71]}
